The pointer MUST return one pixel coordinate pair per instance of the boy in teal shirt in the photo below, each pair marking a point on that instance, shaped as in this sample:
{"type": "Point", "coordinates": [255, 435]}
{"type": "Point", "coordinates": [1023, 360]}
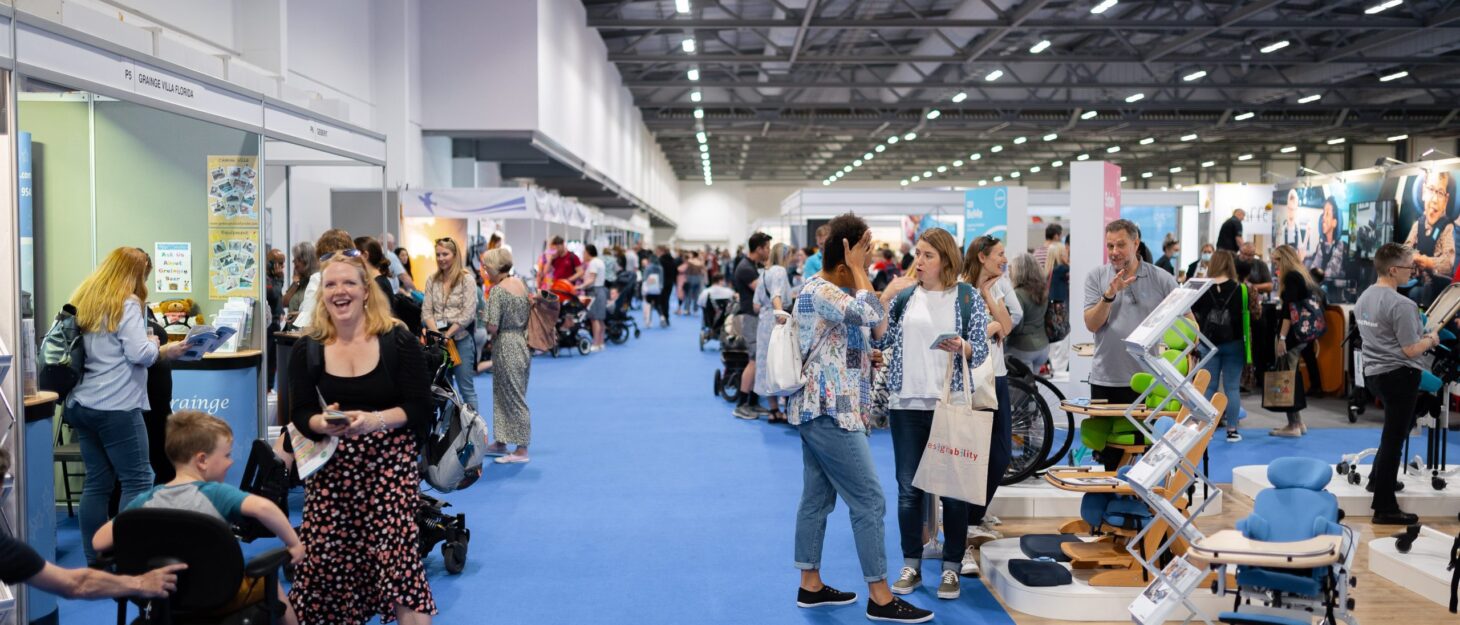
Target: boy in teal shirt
{"type": "Point", "coordinates": [200, 447]}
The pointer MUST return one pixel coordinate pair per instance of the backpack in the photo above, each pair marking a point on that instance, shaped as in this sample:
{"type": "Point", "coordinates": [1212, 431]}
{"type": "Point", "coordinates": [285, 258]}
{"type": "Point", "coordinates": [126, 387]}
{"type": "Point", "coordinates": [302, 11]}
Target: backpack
{"type": "Point", "coordinates": [653, 278]}
{"type": "Point", "coordinates": [62, 354]}
{"type": "Point", "coordinates": [1056, 321]}
{"type": "Point", "coordinates": [1308, 322]}
{"type": "Point", "coordinates": [453, 448]}
{"type": "Point", "coordinates": [1216, 324]}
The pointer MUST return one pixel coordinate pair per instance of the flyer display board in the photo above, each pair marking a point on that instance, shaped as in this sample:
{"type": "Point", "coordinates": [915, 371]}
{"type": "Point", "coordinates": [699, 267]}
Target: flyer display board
{"type": "Point", "coordinates": [232, 262]}
{"type": "Point", "coordinates": [233, 226]}
{"type": "Point", "coordinates": [172, 267]}
{"type": "Point", "coordinates": [232, 191]}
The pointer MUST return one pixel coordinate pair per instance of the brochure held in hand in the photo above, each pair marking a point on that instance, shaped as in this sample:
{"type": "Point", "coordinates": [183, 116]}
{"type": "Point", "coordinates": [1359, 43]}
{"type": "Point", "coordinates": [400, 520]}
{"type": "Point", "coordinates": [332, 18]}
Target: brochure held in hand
{"type": "Point", "coordinates": [204, 340]}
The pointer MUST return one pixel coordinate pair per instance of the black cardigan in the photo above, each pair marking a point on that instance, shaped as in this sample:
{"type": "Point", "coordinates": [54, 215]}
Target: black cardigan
{"type": "Point", "coordinates": [406, 366]}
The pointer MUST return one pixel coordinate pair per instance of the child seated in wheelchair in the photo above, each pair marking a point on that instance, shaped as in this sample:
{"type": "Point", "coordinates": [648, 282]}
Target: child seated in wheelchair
{"type": "Point", "coordinates": [200, 447]}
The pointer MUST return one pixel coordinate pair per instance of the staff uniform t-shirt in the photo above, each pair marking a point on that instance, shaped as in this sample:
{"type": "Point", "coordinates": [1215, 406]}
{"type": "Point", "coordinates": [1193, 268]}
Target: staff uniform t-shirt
{"type": "Point", "coordinates": [745, 275]}
{"type": "Point", "coordinates": [599, 271]}
{"type": "Point", "coordinates": [1387, 322]}
{"type": "Point", "coordinates": [1113, 366]}
{"type": "Point", "coordinates": [929, 314]}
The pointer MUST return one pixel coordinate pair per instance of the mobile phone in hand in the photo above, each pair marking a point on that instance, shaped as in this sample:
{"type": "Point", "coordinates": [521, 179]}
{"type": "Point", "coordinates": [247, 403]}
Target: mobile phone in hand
{"type": "Point", "coordinates": [336, 419]}
{"type": "Point", "coordinates": [943, 337]}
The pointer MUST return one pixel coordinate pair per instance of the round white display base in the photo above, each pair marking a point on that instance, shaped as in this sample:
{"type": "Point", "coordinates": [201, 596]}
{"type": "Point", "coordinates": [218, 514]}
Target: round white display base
{"type": "Point", "coordinates": [1038, 499]}
{"type": "Point", "coordinates": [1078, 601]}
{"type": "Point", "coordinates": [1422, 570]}
{"type": "Point", "coordinates": [1418, 497]}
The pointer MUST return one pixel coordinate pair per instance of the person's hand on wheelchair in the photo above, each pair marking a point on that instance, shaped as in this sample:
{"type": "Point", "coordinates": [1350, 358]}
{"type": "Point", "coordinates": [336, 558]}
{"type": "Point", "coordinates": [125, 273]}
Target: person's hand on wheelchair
{"type": "Point", "coordinates": [159, 582]}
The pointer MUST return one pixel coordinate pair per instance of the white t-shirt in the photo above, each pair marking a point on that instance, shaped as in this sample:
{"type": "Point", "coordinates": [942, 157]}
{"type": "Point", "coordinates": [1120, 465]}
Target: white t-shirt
{"type": "Point", "coordinates": [311, 299]}
{"type": "Point", "coordinates": [1004, 289]}
{"type": "Point", "coordinates": [929, 315]}
{"type": "Point", "coordinates": [716, 291]}
{"type": "Point", "coordinates": [599, 271]}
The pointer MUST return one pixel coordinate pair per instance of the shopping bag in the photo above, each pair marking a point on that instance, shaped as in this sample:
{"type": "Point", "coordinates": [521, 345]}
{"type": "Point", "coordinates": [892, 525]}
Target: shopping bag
{"type": "Point", "coordinates": [1279, 386]}
{"type": "Point", "coordinates": [784, 372]}
{"type": "Point", "coordinates": [955, 462]}
{"type": "Point", "coordinates": [985, 395]}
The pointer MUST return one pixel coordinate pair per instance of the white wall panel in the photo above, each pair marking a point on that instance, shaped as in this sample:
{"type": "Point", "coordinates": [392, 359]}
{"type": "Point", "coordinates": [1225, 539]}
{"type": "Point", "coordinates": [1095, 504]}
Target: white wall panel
{"type": "Point", "coordinates": [479, 65]}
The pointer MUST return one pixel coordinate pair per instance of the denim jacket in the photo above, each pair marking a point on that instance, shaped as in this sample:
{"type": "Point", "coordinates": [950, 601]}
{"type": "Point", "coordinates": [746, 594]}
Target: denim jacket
{"type": "Point", "coordinates": [974, 330]}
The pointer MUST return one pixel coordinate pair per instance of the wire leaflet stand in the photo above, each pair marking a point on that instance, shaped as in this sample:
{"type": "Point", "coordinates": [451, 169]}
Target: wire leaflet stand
{"type": "Point", "coordinates": [1167, 455]}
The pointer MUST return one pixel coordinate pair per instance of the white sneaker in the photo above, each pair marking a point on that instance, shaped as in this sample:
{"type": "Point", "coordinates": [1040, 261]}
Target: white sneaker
{"type": "Point", "coordinates": [980, 534]}
{"type": "Point", "coordinates": [933, 550]}
{"type": "Point", "coordinates": [970, 561]}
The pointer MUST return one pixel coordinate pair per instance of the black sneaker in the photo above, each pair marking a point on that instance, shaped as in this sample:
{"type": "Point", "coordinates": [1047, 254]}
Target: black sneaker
{"type": "Point", "coordinates": [825, 597]}
{"type": "Point", "coordinates": [898, 611]}
{"type": "Point", "coordinates": [1396, 517]}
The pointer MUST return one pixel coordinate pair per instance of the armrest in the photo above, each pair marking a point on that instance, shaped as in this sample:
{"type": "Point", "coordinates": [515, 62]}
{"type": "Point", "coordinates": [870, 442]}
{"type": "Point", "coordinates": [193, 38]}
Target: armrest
{"type": "Point", "coordinates": [266, 562]}
{"type": "Point", "coordinates": [1231, 547]}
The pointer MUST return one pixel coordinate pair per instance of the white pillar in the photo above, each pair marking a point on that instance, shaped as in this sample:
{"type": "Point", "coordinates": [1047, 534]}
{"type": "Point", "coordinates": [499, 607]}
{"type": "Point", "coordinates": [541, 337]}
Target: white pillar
{"type": "Point", "coordinates": [1094, 202]}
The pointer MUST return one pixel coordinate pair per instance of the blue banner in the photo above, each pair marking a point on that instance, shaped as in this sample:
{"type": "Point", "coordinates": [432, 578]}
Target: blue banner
{"type": "Point", "coordinates": [27, 214]}
{"type": "Point", "coordinates": [986, 211]}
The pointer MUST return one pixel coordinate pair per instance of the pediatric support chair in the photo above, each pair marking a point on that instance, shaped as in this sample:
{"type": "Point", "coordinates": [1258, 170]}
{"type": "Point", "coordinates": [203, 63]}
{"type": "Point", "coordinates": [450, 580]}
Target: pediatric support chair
{"type": "Point", "coordinates": [1116, 514]}
{"type": "Point", "coordinates": [1293, 558]}
{"type": "Point", "coordinates": [148, 538]}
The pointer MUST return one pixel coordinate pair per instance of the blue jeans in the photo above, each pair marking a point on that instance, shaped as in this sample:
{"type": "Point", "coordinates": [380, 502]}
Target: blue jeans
{"type": "Point", "coordinates": [466, 372]}
{"type": "Point", "coordinates": [910, 431]}
{"type": "Point", "coordinates": [1226, 369]}
{"type": "Point", "coordinates": [1001, 449]}
{"type": "Point", "coordinates": [113, 448]}
{"type": "Point", "coordinates": [839, 462]}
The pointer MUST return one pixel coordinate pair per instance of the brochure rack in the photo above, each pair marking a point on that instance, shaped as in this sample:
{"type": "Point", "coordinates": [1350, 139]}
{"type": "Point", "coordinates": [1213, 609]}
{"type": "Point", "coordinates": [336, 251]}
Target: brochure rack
{"type": "Point", "coordinates": [1172, 584]}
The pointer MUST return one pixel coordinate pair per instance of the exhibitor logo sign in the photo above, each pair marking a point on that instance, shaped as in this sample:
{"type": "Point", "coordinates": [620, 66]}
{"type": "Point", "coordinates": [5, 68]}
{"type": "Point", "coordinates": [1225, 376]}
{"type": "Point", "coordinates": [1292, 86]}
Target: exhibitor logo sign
{"type": "Point", "coordinates": [163, 84]}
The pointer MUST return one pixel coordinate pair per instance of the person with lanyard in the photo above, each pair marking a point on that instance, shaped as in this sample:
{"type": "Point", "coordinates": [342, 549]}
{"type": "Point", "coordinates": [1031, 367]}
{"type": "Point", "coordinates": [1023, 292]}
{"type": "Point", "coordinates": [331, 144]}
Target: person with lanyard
{"type": "Point", "coordinates": [1118, 297]}
{"type": "Point", "coordinates": [1394, 346]}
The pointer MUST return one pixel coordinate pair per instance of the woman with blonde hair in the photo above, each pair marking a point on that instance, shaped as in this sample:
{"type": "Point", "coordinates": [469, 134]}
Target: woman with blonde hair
{"type": "Point", "coordinates": [508, 310]}
{"type": "Point", "coordinates": [333, 241]}
{"type": "Point", "coordinates": [451, 309]}
{"type": "Point", "coordinates": [772, 294]}
{"type": "Point", "coordinates": [1295, 288]}
{"type": "Point", "coordinates": [105, 409]}
{"type": "Point", "coordinates": [359, 531]}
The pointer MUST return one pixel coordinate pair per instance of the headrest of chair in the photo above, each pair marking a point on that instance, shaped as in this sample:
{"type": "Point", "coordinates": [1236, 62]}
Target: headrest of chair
{"type": "Point", "coordinates": [145, 536]}
{"type": "Point", "coordinates": [1305, 473]}
{"type": "Point", "coordinates": [1162, 425]}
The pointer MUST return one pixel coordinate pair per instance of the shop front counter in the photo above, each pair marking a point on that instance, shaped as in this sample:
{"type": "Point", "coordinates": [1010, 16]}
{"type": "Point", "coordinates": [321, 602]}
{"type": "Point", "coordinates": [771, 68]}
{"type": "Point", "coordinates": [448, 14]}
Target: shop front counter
{"type": "Point", "coordinates": [40, 498]}
{"type": "Point", "coordinates": [226, 386]}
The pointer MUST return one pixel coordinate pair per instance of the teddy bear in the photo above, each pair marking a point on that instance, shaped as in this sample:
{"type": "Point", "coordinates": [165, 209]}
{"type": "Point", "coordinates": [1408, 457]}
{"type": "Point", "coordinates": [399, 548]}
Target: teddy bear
{"type": "Point", "coordinates": [178, 315]}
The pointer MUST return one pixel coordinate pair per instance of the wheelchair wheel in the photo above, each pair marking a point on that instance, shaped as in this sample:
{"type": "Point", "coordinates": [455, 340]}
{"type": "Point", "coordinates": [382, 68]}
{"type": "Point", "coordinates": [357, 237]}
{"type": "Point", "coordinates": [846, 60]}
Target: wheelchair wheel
{"type": "Point", "coordinates": [584, 345]}
{"type": "Point", "coordinates": [1063, 428]}
{"type": "Point", "coordinates": [618, 335]}
{"type": "Point", "coordinates": [1032, 429]}
{"type": "Point", "coordinates": [717, 382]}
{"type": "Point", "coordinates": [730, 385]}
{"type": "Point", "coordinates": [454, 552]}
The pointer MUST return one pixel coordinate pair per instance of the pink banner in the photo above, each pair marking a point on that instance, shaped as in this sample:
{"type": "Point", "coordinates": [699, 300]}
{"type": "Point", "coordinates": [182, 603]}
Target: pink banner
{"type": "Point", "coordinates": [1112, 192]}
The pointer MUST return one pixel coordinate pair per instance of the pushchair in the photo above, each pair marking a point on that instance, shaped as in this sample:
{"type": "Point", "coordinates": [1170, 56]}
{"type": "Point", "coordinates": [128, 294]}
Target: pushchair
{"type": "Point", "coordinates": [734, 357]}
{"type": "Point", "coordinates": [715, 312]}
{"type": "Point", "coordinates": [572, 325]}
{"type": "Point", "coordinates": [435, 525]}
{"type": "Point", "coordinates": [620, 321]}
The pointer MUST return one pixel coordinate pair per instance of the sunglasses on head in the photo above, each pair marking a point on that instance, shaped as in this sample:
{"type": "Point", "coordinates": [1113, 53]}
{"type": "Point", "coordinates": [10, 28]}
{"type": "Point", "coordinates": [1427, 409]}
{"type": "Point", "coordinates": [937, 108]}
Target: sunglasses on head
{"type": "Point", "coordinates": [350, 253]}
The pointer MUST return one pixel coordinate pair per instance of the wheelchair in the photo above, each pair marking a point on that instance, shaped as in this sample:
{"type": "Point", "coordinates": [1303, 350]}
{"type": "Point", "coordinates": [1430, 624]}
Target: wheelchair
{"type": "Point", "coordinates": [147, 538]}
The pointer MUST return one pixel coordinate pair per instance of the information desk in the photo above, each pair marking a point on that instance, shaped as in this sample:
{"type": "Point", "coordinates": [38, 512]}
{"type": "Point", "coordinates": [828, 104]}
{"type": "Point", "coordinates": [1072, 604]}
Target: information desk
{"type": "Point", "coordinates": [226, 386]}
{"type": "Point", "coordinates": [40, 496]}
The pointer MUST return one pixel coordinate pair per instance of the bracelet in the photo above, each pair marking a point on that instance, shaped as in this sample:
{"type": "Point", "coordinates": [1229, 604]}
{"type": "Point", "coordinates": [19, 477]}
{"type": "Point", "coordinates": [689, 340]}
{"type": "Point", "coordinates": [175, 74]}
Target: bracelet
{"type": "Point", "coordinates": [380, 422]}
{"type": "Point", "coordinates": [1107, 300]}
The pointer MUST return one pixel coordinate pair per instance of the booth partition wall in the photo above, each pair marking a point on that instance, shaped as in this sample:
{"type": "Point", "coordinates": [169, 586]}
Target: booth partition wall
{"type": "Point", "coordinates": [103, 148]}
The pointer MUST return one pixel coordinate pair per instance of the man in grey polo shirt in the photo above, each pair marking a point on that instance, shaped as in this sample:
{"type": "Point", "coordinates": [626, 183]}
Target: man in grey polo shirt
{"type": "Point", "coordinates": [1118, 297]}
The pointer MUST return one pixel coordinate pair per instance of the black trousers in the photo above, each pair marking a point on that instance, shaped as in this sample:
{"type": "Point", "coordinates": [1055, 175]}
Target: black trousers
{"type": "Point", "coordinates": [1398, 390]}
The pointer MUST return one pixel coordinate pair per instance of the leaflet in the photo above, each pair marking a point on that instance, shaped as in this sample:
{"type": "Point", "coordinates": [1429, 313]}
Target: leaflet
{"type": "Point", "coordinates": [1160, 598]}
{"type": "Point", "coordinates": [309, 455]}
{"type": "Point", "coordinates": [1163, 455]}
{"type": "Point", "coordinates": [205, 339]}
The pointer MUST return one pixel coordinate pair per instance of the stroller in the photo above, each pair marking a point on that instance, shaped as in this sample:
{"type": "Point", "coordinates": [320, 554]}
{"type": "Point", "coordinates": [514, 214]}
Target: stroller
{"type": "Point", "coordinates": [620, 318]}
{"type": "Point", "coordinates": [572, 325]}
{"type": "Point", "coordinates": [452, 460]}
{"type": "Point", "coordinates": [716, 311]}
{"type": "Point", "coordinates": [734, 357]}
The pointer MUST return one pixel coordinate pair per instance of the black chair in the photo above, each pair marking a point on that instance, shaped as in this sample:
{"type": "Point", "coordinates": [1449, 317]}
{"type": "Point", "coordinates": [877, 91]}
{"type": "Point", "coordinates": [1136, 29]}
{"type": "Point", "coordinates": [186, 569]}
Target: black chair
{"type": "Point", "coordinates": [267, 476]}
{"type": "Point", "coordinates": [148, 538]}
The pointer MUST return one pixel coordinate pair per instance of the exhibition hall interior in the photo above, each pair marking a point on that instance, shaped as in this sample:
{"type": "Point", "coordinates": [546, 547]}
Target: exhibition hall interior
{"type": "Point", "coordinates": [805, 312]}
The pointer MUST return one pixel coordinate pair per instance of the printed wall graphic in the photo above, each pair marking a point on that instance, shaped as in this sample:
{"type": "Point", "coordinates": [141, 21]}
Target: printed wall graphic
{"type": "Point", "coordinates": [986, 211]}
{"type": "Point", "coordinates": [172, 267]}
{"type": "Point", "coordinates": [914, 225]}
{"type": "Point", "coordinates": [1336, 223]}
{"type": "Point", "coordinates": [233, 267]}
{"type": "Point", "coordinates": [232, 191]}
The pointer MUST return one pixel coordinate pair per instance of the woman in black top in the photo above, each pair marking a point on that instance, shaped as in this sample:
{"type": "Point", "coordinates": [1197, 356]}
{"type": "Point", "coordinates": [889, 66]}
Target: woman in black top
{"type": "Point", "coordinates": [359, 508]}
{"type": "Point", "coordinates": [1295, 287]}
{"type": "Point", "coordinates": [1219, 312]}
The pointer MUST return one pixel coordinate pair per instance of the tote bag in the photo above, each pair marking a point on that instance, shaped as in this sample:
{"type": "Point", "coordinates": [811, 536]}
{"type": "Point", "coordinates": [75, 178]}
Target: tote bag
{"type": "Point", "coordinates": [955, 462]}
{"type": "Point", "coordinates": [985, 396]}
{"type": "Point", "coordinates": [785, 372]}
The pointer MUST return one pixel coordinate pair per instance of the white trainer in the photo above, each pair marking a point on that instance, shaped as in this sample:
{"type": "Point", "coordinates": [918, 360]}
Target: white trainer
{"type": "Point", "coordinates": [970, 561]}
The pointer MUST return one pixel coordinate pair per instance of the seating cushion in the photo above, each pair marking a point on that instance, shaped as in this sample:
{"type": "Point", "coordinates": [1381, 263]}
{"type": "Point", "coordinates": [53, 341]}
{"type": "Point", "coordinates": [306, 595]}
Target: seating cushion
{"type": "Point", "coordinates": [1253, 618]}
{"type": "Point", "coordinates": [1127, 512]}
{"type": "Point", "coordinates": [1046, 545]}
{"type": "Point", "coordinates": [1289, 582]}
{"type": "Point", "coordinates": [1038, 573]}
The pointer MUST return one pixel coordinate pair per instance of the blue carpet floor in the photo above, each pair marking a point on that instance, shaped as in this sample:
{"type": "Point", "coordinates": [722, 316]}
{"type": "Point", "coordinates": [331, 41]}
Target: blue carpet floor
{"type": "Point", "coordinates": [646, 502]}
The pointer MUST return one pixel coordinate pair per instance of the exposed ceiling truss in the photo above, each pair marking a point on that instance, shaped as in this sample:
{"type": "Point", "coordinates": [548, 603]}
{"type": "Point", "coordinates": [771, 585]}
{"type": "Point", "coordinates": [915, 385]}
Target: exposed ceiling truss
{"type": "Point", "coordinates": [802, 89]}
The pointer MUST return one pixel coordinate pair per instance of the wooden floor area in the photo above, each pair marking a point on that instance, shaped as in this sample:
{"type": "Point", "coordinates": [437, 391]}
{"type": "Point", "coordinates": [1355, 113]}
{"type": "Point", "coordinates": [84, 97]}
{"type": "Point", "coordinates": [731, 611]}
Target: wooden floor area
{"type": "Point", "coordinates": [1378, 600]}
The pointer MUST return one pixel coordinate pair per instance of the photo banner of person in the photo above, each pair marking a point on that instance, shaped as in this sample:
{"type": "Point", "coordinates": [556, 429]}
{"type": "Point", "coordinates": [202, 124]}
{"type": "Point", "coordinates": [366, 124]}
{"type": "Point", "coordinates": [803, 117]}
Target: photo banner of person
{"type": "Point", "coordinates": [1426, 213]}
{"type": "Point", "coordinates": [986, 212]}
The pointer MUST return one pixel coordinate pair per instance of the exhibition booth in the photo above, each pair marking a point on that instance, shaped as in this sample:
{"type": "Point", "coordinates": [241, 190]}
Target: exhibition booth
{"type": "Point", "coordinates": [111, 150]}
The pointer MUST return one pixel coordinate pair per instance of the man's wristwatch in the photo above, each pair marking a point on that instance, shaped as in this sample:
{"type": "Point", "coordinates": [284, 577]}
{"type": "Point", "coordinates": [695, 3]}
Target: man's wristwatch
{"type": "Point", "coordinates": [1107, 298]}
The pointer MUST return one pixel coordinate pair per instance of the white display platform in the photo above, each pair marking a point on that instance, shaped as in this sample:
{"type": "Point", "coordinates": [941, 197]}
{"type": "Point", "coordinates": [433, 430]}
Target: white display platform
{"type": "Point", "coordinates": [1078, 601]}
{"type": "Point", "coordinates": [1422, 570]}
{"type": "Point", "coordinates": [1416, 498]}
{"type": "Point", "coordinates": [1038, 499]}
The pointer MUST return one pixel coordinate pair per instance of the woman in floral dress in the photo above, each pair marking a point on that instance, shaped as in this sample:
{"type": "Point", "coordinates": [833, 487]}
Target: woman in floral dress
{"type": "Point", "coordinates": [508, 310]}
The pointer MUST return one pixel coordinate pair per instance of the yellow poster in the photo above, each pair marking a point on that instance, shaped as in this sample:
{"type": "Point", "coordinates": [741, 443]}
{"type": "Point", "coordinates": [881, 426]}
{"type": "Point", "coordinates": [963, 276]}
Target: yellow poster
{"type": "Point", "coordinates": [233, 267]}
{"type": "Point", "coordinates": [233, 191]}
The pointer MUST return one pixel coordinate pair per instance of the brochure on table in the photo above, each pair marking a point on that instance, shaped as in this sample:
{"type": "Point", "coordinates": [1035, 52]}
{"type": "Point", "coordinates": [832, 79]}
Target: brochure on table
{"type": "Point", "coordinates": [1162, 596]}
{"type": "Point", "coordinates": [1145, 340]}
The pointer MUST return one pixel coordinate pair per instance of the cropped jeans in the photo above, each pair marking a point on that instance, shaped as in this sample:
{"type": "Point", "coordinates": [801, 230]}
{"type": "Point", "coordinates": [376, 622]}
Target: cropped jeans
{"type": "Point", "coordinates": [113, 449]}
{"type": "Point", "coordinates": [839, 462]}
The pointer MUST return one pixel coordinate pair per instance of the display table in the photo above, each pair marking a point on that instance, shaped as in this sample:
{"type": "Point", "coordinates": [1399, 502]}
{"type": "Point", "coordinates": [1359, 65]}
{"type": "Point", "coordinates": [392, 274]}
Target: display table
{"type": "Point", "coordinates": [40, 496]}
{"type": "Point", "coordinates": [226, 386]}
{"type": "Point", "coordinates": [1231, 547]}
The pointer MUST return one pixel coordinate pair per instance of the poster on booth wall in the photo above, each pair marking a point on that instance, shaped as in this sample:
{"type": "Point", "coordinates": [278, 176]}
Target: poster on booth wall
{"type": "Point", "coordinates": [172, 267]}
{"type": "Point", "coordinates": [1333, 223]}
{"type": "Point", "coordinates": [1426, 214]}
{"type": "Point", "coordinates": [913, 226]}
{"type": "Point", "coordinates": [233, 267]}
{"type": "Point", "coordinates": [986, 212]}
{"type": "Point", "coordinates": [232, 191]}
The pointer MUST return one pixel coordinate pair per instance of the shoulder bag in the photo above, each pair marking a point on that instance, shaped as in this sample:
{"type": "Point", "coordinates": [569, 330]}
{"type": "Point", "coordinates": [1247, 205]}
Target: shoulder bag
{"type": "Point", "coordinates": [955, 462]}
